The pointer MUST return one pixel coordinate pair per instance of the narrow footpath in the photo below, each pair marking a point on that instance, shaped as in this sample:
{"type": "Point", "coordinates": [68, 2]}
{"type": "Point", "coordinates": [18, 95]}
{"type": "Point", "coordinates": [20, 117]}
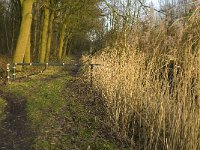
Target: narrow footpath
{"type": "Point", "coordinates": [54, 110]}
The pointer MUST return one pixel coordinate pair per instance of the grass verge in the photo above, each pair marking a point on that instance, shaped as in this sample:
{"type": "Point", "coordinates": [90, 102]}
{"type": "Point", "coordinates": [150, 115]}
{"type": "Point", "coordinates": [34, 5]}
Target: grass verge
{"type": "Point", "coordinates": [57, 115]}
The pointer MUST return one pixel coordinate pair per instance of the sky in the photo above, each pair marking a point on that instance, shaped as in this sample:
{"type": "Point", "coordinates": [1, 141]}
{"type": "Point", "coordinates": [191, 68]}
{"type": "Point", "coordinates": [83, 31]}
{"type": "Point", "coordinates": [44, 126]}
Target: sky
{"type": "Point", "coordinates": [155, 3]}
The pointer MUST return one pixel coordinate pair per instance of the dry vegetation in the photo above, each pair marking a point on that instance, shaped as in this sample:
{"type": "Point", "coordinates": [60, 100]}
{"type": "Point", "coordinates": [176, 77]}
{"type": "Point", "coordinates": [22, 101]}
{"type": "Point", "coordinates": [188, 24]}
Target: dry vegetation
{"type": "Point", "coordinates": [3, 62]}
{"type": "Point", "coordinates": [150, 84]}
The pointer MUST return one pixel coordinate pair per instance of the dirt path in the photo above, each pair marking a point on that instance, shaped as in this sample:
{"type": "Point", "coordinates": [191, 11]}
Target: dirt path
{"type": "Point", "coordinates": [15, 133]}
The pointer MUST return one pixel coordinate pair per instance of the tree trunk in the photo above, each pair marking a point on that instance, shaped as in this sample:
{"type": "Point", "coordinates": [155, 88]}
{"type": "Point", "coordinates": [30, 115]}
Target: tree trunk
{"type": "Point", "coordinates": [49, 37]}
{"type": "Point", "coordinates": [198, 83]}
{"type": "Point", "coordinates": [61, 42]}
{"type": "Point", "coordinates": [24, 31]}
{"type": "Point", "coordinates": [43, 46]}
{"type": "Point", "coordinates": [36, 34]}
{"type": "Point", "coordinates": [27, 57]}
{"type": "Point", "coordinates": [65, 48]}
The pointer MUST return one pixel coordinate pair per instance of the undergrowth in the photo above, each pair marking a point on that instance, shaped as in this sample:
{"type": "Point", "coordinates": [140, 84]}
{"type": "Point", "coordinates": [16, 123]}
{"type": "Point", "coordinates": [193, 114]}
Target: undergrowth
{"type": "Point", "coordinates": [150, 83]}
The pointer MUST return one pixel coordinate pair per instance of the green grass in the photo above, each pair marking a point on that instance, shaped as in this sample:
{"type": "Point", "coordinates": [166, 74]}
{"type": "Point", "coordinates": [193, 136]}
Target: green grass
{"type": "Point", "coordinates": [59, 118]}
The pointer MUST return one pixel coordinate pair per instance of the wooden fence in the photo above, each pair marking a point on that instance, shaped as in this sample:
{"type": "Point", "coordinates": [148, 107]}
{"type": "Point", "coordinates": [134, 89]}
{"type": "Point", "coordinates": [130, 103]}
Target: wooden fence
{"type": "Point", "coordinates": [11, 69]}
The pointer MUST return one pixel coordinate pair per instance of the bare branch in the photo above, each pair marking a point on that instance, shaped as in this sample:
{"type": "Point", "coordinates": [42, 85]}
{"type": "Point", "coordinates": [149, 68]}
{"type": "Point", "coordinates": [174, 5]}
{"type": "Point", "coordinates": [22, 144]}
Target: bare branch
{"type": "Point", "coordinates": [114, 10]}
{"type": "Point", "coordinates": [146, 6]}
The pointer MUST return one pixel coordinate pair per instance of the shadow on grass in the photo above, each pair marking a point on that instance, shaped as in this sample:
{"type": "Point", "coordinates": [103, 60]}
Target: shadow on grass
{"type": "Point", "coordinates": [15, 132]}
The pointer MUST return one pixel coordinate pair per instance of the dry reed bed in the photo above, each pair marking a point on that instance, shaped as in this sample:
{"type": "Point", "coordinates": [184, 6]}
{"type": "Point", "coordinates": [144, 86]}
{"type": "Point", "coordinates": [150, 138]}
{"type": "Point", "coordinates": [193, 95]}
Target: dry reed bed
{"type": "Point", "coordinates": [151, 86]}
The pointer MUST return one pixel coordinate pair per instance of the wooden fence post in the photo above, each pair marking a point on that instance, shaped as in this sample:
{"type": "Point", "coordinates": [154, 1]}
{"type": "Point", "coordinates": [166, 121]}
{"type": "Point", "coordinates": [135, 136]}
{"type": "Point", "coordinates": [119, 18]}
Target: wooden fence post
{"type": "Point", "coordinates": [14, 71]}
{"type": "Point", "coordinates": [91, 74]}
{"type": "Point", "coordinates": [8, 73]}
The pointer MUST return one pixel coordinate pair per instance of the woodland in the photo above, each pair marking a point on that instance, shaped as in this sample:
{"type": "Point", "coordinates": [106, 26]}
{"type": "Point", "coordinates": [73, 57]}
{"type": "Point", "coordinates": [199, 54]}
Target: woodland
{"type": "Point", "coordinates": [132, 81]}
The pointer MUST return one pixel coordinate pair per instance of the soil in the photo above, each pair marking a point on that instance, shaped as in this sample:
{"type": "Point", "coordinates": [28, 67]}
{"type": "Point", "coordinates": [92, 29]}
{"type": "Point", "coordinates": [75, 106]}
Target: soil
{"type": "Point", "coordinates": [15, 133]}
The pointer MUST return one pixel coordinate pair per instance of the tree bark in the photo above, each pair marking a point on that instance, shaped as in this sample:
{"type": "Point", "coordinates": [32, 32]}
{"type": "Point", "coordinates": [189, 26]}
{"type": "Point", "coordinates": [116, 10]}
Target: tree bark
{"type": "Point", "coordinates": [65, 48]}
{"type": "Point", "coordinates": [49, 37]}
{"type": "Point", "coordinates": [27, 57]}
{"type": "Point", "coordinates": [43, 46]}
{"type": "Point", "coordinates": [61, 42]}
{"type": "Point", "coordinates": [36, 27]}
{"type": "Point", "coordinates": [198, 99]}
{"type": "Point", "coordinates": [24, 33]}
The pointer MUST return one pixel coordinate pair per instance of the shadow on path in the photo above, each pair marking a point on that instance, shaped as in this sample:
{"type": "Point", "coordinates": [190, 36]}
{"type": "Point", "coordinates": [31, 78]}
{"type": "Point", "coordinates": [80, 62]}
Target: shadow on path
{"type": "Point", "coordinates": [15, 132]}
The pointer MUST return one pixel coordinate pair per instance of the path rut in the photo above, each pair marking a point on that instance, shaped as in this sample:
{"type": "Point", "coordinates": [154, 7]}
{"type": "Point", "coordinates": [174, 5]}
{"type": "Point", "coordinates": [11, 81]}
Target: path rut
{"type": "Point", "coordinates": [15, 132]}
